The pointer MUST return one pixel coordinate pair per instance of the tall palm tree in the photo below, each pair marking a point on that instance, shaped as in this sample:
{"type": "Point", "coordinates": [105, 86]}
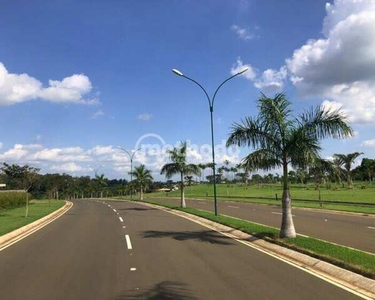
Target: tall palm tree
{"type": "Point", "coordinates": [179, 166]}
{"type": "Point", "coordinates": [102, 183]}
{"type": "Point", "coordinates": [202, 167]}
{"type": "Point", "coordinates": [226, 169]}
{"type": "Point", "coordinates": [346, 161]}
{"type": "Point", "coordinates": [338, 169]}
{"type": "Point", "coordinates": [280, 140]}
{"type": "Point", "coordinates": [142, 177]}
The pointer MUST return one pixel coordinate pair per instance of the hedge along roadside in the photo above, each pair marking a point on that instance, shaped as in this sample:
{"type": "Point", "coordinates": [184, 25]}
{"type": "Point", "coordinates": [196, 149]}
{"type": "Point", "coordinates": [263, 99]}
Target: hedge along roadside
{"type": "Point", "coordinates": [12, 199]}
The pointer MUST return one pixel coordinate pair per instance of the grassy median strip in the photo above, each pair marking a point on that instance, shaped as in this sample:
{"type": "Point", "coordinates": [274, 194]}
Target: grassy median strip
{"type": "Point", "coordinates": [11, 219]}
{"type": "Point", "coordinates": [354, 260]}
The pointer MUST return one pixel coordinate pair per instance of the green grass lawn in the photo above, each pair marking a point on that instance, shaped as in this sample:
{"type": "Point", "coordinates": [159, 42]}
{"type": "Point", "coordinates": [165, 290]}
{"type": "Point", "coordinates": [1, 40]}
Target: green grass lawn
{"type": "Point", "coordinates": [354, 260]}
{"type": "Point", "coordinates": [297, 191]}
{"type": "Point", "coordinates": [11, 219]}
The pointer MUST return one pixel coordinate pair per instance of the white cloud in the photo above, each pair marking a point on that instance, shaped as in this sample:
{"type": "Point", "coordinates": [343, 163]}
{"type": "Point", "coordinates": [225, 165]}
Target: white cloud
{"type": "Point", "coordinates": [144, 116]}
{"type": "Point", "coordinates": [272, 80]}
{"type": "Point", "coordinates": [17, 88]}
{"type": "Point", "coordinates": [97, 114]}
{"type": "Point", "coordinates": [103, 150]}
{"type": "Point", "coordinates": [17, 153]}
{"type": "Point", "coordinates": [70, 168]}
{"type": "Point", "coordinates": [341, 66]}
{"type": "Point", "coordinates": [250, 74]}
{"type": "Point", "coordinates": [369, 143]}
{"type": "Point", "coordinates": [77, 159]}
{"type": "Point", "coordinates": [242, 33]}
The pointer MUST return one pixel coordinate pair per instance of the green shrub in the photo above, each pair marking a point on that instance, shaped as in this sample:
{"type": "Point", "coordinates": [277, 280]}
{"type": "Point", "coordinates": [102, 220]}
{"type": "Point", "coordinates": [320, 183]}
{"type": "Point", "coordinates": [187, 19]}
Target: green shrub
{"type": "Point", "coordinates": [11, 199]}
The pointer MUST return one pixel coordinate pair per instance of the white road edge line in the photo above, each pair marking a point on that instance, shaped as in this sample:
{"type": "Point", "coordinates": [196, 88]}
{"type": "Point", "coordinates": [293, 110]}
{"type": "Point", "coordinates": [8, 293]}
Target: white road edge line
{"type": "Point", "coordinates": [371, 227]}
{"type": "Point", "coordinates": [335, 283]}
{"type": "Point", "coordinates": [35, 230]}
{"type": "Point", "coordinates": [128, 242]}
{"type": "Point", "coordinates": [121, 220]}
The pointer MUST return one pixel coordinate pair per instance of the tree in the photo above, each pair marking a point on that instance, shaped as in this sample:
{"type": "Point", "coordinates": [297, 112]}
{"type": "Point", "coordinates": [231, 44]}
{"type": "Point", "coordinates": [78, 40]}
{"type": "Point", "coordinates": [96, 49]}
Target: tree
{"type": "Point", "coordinates": [367, 168]}
{"type": "Point", "coordinates": [142, 177]}
{"type": "Point", "coordinates": [102, 183]}
{"type": "Point", "coordinates": [339, 171]}
{"type": "Point", "coordinates": [21, 177]}
{"type": "Point", "coordinates": [202, 167]}
{"type": "Point", "coordinates": [346, 161]}
{"type": "Point", "coordinates": [280, 140]}
{"type": "Point", "coordinates": [321, 170]}
{"type": "Point", "coordinates": [179, 166]}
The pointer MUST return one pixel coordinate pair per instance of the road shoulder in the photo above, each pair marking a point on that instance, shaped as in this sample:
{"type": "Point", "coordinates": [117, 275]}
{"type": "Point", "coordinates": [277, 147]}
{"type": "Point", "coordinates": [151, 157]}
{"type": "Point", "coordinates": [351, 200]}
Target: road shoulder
{"type": "Point", "coordinates": [13, 237]}
{"type": "Point", "coordinates": [327, 271]}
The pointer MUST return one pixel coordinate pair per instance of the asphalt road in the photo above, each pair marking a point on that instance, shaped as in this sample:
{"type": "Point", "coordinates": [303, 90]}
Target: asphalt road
{"type": "Point", "coordinates": [352, 231]}
{"type": "Point", "coordinates": [121, 250]}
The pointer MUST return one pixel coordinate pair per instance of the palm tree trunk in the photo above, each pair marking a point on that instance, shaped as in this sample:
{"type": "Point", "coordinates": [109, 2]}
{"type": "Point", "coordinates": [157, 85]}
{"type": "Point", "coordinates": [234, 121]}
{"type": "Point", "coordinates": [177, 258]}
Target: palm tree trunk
{"type": "Point", "coordinates": [183, 204]}
{"type": "Point", "coordinates": [349, 178]}
{"type": "Point", "coordinates": [141, 193]}
{"type": "Point", "coordinates": [287, 226]}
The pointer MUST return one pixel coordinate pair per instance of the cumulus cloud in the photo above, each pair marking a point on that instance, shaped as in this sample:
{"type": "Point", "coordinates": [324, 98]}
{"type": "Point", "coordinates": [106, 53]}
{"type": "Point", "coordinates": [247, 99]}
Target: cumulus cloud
{"type": "Point", "coordinates": [272, 80]}
{"type": "Point", "coordinates": [269, 81]}
{"type": "Point", "coordinates": [144, 116]}
{"type": "Point", "coordinates": [250, 74]}
{"type": "Point", "coordinates": [79, 160]}
{"type": "Point", "coordinates": [369, 143]}
{"type": "Point", "coordinates": [17, 88]}
{"type": "Point", "coordinates": [69, 168]}
{"type": "Point", "coordinates": [341, 66]}
{"type": "Point", "coordinates": [97, 114]}
{"type": "Point", "coordinates": [242, 33]}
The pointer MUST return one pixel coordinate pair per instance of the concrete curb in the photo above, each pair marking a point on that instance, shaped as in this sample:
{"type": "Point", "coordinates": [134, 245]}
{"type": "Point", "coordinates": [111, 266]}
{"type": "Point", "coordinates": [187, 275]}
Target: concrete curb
{"type": "Point", "coordinates": [14, 236]}
{"type": "Point", "coordinates": [350, 280]}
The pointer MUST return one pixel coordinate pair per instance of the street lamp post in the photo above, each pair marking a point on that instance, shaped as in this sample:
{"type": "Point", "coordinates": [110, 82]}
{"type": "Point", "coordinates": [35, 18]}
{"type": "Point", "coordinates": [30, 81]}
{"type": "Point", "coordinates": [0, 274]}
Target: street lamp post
{"type": "Point", "coordinates": [211, 106]}
{"type": "Point", "coordinates": [131, 167]}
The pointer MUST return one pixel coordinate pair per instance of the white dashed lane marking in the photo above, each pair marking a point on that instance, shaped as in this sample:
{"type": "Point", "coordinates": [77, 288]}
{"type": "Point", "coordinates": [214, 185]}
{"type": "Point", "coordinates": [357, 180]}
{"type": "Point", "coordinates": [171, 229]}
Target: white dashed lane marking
{"type": "Point", "coordinates": [128, 242]}
{"type": "Point", "coordinates": [233, 206]}
{"type": "Point", "coordinates": [121, 220]}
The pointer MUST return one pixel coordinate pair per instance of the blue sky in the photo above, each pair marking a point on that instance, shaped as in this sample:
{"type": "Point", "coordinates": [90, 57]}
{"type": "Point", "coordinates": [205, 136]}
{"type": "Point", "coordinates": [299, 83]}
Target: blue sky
{"type": "Point", "coordinates": [97, 75]}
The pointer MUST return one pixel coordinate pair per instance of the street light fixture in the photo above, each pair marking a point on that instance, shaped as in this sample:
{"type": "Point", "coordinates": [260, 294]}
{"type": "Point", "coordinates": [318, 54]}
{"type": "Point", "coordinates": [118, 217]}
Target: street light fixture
{"type": "Point", "coordinates": [96, 169]}
{"type": "Point", "coordinates": [131, 167]}
{"type": "Point", "coordinates": [211, 106]}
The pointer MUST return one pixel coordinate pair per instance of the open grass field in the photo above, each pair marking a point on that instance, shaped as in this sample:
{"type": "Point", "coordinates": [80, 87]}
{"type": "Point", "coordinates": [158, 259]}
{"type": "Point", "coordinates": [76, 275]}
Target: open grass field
{"type": "Point", "coordinates": [11, 219]}
{"type": "Point", "coordinates": [298, 191]}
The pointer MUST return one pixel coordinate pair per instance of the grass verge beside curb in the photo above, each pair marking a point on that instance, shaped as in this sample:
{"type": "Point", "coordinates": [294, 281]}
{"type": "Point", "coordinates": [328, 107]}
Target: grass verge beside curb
{"type": "Point", "coordinates": [329, 207]}
{"type": "Point", "coordinates": [12, 219]}
{"type": "Point", "coordinates": [354, 260]}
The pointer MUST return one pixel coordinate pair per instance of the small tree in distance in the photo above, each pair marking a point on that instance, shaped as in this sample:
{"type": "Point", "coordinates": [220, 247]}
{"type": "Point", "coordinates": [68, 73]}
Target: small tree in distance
{"type": "Point", "coordinates": [180, 166]}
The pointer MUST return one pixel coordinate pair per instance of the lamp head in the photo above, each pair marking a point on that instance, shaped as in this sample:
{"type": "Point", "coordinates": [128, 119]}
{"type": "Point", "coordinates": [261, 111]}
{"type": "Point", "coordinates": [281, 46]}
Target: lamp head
{"type": "Point", "coordinates": [243, 71]}
{"type": "Point", "coordinates": [177, 72]}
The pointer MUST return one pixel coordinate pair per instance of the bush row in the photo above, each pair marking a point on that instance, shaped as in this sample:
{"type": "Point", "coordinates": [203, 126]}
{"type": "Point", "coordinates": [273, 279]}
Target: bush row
{"type": "Point", "coordinates": [11, 199]}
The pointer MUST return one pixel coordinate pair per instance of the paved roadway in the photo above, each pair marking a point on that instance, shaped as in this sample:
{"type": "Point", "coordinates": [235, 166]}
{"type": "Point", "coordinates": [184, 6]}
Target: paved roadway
{"type": "Point", "coordinates": [85, 255]}
{"type": "Point", "coordinates": [353, 231]}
